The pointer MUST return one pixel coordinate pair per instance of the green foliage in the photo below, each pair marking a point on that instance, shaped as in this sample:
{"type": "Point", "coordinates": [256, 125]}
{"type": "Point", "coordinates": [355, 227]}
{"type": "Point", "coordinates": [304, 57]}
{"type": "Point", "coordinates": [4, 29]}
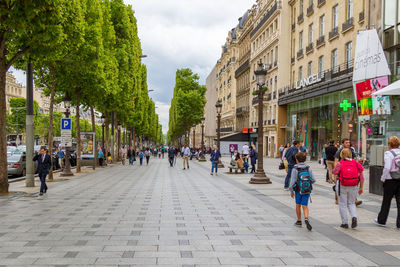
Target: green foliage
{"type": "Point", "coordinates": [18, 113]}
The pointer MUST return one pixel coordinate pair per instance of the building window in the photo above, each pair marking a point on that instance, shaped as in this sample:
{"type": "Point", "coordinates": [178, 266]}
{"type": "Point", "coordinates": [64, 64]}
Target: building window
{"type": "Point", "coordinates": [301, 40]}
{"type": "Point", "coordinates": [334, 61]}
{"type": "Point", "coordinates": [349, 9]}
{"type": "Point", "coordinates": [301, 6]}
{"type": "Point", "coordinates": [310, 33]}
{"type": "Point", "coordinates": [335, 17]}
{"type": "Point", "coordinates": [322, 25]}
{"type": "Point", "coordinates": [310, 68]}
{"type": "Point", "coordinates": [276, 53]}
{"type": "Point", "coordinates": [349, 54]}
{"type": "Point", "coordinates": [300, 73]}
{"type": "Point", "coordinates": [321, 64]}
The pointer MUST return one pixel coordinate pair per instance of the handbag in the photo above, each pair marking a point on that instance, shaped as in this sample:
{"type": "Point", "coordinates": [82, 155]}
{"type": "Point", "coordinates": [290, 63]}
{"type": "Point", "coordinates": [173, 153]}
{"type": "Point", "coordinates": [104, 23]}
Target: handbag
{"type": "Point", "coordinates": [281, 166]}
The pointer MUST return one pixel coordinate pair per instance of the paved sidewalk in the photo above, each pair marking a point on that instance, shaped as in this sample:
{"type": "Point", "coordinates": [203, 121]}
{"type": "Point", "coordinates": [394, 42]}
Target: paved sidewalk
{"type": "Point", "coordinates": [156, 215]}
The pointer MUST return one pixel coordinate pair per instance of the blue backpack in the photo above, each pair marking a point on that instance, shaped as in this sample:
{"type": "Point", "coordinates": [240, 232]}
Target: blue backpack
{"type": "Point", "coordinates": [303, 184]}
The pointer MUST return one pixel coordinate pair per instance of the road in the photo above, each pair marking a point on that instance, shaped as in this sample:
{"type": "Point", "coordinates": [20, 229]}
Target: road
{"type": "Point", "coordinates": [157, 215]}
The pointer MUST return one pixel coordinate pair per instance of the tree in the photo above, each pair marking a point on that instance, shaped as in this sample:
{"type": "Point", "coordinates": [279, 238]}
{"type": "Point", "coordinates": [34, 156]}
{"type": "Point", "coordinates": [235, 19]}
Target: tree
{"type": "Point", "coordinates": [25, 26]}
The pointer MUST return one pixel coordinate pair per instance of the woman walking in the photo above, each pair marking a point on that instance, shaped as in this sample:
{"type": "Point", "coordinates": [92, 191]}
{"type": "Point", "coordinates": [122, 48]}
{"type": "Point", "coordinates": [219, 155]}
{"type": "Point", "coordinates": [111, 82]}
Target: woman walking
{"type": "Point", "coordinates": [147, 153]}
{"type": "Point", "coordinates": [100, 155]}
{"type": "Point", "coordinates": [214, 158]}
{"type": "Point", "coordinates": [131, 155]}
{"type": "Point", "coordinates": [391, 181]}
{"type": "Point", "coordinates": [350, 175]}
{"type": "Point", "coordinates": [122, 153]}
{"type": "Point", "coordinates": [253, 158]}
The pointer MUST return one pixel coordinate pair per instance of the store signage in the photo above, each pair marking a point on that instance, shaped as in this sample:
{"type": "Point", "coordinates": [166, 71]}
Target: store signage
{"type": "Point", "coordinates": [345, 105]}
{"type": "Point", "coordinates": [248, 130]}
{"type": "Point", "coordinates": [369, 61]}
{"type": "Point", "coordinates": [315, 78]}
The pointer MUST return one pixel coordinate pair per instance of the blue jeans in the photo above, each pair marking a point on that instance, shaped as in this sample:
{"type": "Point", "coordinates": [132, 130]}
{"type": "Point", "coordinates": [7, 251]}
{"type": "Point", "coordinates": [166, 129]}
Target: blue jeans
{"type": "Point", "coordinates": [214, 164]}
{"type": "Point", "coordinates": [131, 160]}
{"type": "Point", "coordinates": [287, 179]}
{"type": "Point", "coordinates": [141, 161]}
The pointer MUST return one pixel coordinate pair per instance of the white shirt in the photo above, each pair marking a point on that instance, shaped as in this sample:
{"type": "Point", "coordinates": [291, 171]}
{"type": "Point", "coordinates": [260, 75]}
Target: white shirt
{"type": "Point", "coordinates": [388, 164]}
{"type": "Point", "coordinates": [186, 151]}
{"type": "Point", "coordinates": [245, 149]}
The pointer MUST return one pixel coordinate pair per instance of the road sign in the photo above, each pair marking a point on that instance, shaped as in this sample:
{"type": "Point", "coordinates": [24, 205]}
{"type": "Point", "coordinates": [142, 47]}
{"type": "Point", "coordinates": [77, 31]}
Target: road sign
{"type": "Point", "coordinates": [66, 124]}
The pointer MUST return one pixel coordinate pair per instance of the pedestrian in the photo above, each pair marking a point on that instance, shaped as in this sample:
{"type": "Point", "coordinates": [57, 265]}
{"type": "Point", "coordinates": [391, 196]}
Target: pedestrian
{"type": "Point", "coordinates": [163, 150]}
{"type": "Point", "coordinates": [290, 156]}
{"type": "Point", "coordinates": [302, 148]}
{"type": "Point", "coordinates": [285, 162]}
{"type": "Point", "coordinates": [61, 156]}
{"type": "Point", "coordinates": [214, 158]}
{"type": "Point", "coordinates": [232, 150]}
{"type": "Point", "coordinates": [253, 158]}
{"type": "Point", "coordinates": [300, 187]}
{"type": "Point", "coordinates": [239, 161]}
{"type": "Point", "coordinates": [171, 156]}
{"type": "Point", "coordinates": [281, 148]}
{"type": "Point", "coordinates": [100, 156]}
{"type": "Point", "coordinates": [43, 168]}
{"type": "Point", "coordinates": [391, 181]}
{"type": "Point", "coordinates": [141, 156]}
{"type": "Point", "coordinates": [245, 152]}
{"type": "Point", "coordinates": [350, 181]}
{"type": "Point", "coordinates": [147, 154]}
{"type": "Point", "coordinates": [330, 152]}
{"type": "Point", "coordinates": [159, 152]}
{"type": "Point", "coordinates": [345, 144]}
{"type": "Point", "coordinates": [186, 155]}
{"type": "Point", "coordinates": [131, 155]}
{"type": "Point", "coordinates": [122, 153]}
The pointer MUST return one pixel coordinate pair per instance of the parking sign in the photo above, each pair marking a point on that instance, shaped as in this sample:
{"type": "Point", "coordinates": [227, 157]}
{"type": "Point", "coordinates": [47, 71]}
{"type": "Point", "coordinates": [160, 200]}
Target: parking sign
{"type": "Point", "coordinates": [66, 124]}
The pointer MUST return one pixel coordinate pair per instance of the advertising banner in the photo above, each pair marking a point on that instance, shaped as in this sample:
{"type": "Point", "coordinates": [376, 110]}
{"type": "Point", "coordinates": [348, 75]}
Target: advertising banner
{"type": "Point", "coordinates": [87, 141]}
{"type": "Point", "coordinates": [368, 105]}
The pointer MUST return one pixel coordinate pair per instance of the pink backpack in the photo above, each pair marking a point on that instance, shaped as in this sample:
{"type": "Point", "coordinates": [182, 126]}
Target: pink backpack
{"type": "Point", "coordinates": [395, 169]}
{"type": "Point", "coordinates": [348, 173]}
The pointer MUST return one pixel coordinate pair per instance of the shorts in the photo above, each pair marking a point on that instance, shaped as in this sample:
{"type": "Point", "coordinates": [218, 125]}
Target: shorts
{"type": "Point", "coordinates": [301, 199]}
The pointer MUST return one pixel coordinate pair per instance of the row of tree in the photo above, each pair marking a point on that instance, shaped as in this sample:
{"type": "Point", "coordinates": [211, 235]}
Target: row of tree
{"type": "Point", "coordinates": [85, 50]}
{"type": "Point", "coordinates": [187, 104]}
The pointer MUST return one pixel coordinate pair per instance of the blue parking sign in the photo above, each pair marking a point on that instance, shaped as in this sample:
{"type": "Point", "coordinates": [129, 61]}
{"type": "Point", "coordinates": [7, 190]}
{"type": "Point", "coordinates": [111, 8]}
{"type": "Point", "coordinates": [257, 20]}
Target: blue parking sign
{"type": "Point", "coordinates": [66, 124]}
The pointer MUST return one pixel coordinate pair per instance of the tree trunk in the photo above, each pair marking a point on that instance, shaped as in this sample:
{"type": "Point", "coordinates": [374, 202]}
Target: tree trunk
{"type": "Point", "coordinates": [116, 148]}
{"type": "Point", "coordinates": [3, 139]}
{"type": "Point", "coordinates": [107, 139]}
{"type": "Point", "coordinates": [95, 157]}
{"type": "Point", "coordinates": [78, 131]}
{"type": "Point", "coordinates": [133, 134]}
{"type": "Point", "coordinates": [50, 132]}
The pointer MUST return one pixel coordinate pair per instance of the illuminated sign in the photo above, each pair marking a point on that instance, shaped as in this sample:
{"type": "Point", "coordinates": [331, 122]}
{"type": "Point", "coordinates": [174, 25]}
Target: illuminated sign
{"type": "Point", "coordinates": [345, 105]}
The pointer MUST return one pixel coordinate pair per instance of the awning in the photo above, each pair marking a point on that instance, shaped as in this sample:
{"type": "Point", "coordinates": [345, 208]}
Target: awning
{"type": "Point", "coordinates": [392, 89]}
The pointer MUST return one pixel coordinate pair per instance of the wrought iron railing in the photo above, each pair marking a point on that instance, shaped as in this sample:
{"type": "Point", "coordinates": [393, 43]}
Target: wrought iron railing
{"type": "Point", "coordinates": [309, 47]}
{"type": "Point", "coordinates": [321, 40]}
{"type": "Point", "coordinates": [348, 24]}
{"type": "Point", "coordinates": [333, 33]}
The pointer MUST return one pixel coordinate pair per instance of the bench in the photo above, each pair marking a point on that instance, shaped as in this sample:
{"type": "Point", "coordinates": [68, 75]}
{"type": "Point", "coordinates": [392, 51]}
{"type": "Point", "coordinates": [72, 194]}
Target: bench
{"type": "Point", "coordinates": [233, 166]}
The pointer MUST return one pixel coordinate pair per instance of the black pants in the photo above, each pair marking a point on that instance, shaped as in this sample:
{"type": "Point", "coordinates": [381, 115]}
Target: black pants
{"type": "Point", "coordinates": [171, 161]}
{"type": "Point", "coordinates": [147, 160]}
{"type": "Point", "coordinates": [253, 168]}
{"type": "Point", "coordinates": [101, 161]}
{"type": "Point", "coordinates": [43, 186]}
{"type": "Point", "coordinates": [391, 188]}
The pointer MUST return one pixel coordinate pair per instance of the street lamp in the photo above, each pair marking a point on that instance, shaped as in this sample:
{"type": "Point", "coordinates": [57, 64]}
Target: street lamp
{"type": "Point", "coordinates": [67, 169]}
{"type": "Point", "coordinates": [218, 106]}
{"type": "Point", "coordinates": [259, 176]}
{"type": "Point", "coordinates": [194, 136]}
{"type": "Point", "coordinates": [102, 118]}
{"type": "Point", "coordinates": [203, 150]}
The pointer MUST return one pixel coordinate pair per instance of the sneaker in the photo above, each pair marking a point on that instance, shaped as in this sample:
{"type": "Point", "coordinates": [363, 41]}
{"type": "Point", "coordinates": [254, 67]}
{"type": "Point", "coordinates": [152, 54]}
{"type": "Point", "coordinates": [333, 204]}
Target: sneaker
{"type": "Point", "coordinates": [344, 225]}
{"type": "Point", "coordinates": [184, 168]}
{"type": "Point", "coordinates": [354, 222]}
{"type": "Point", "coordinates": [380, 224]}
{"type": "Point", "coordinates": [211, 173]}
{"type": "Point", "coordinates": [40, 194]}
{"type": "Point", "coordinates": [286, 188]}
{"type": "Point", "coordinates": [358, 202]}
{"type": "Point", "coordinates": [298, 223]}
{"type": "Point", "coordinates": [309, 227]}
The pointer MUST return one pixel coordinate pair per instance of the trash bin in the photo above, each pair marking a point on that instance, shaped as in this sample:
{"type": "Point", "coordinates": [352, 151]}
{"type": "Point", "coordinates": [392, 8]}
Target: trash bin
{"type": "Point", "coordinates": [375, 184]}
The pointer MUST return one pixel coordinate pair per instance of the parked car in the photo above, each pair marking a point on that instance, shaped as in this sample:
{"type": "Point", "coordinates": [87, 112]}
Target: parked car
{"type": "Point", "coordinates": [17, 164]}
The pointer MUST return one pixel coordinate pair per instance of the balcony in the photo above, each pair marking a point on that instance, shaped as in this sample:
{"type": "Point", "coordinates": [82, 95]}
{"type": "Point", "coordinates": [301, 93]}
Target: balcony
{"type": "Point", "coordinates": [333, 33]}
{"type": "Point", "coordinates": [300, 53]}
{"type": "Point", "coordinates": [310, 10]}
{"type": "Point", "coordinates": [267, 15]}
{"type": "Point", "coordinates": [269, 122]}
{"type": "Point", "coordinates": [348, 25]}
{"type": "Point", "coordinates": [293, 26]}
{"type": "Point", "coordinates": [225, 130]}
{"type": "Point", "coordinates": [273, 122]}
{"type": "Point", "coordinates": [309, 48]}
{"type": "Point", "coordinates": [292, 60]}
{"type": "Point", "coordinates": [242, 110]}
{"type": "Point", "coordinates": [361, 16]}
{"type": "Point", "coordinates": [275, 63]}
{"type": "Point", "coordinates": [321, 2]}
{"type": "Point", "coordinates": [300, 18]}
{"type": "Point", "coordinates": [321, 41]}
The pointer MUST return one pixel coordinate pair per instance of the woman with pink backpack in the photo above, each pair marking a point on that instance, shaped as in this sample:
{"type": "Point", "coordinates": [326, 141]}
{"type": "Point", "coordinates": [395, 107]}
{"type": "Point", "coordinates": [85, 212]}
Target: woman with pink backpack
{"type": "Point", "coordinates": [350, 181]}
{"type": "Point", "coordinates": [391, 181]}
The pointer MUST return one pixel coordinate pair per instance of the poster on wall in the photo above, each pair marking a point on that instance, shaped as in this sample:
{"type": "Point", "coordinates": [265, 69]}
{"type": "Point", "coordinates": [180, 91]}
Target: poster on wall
{"type": "Point", "coordinates": [368, 105]}
{"type": "Point", "coordinates": [87, 139]}
{"type": "Point", "coordinates": [233, 148]}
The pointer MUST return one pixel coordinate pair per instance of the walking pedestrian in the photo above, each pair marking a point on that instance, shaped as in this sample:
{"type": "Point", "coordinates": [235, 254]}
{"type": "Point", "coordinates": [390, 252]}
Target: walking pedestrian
{"type": "Point", "coordinates": [61, 156]}
{"type": "Point", "coordinates": [281, 148]}
{"type": "Point", "coordinates": [245, 152]}
{"type": "Point", "coordinates": [291, 159]}
{"type": "Point", "coordinates": [122, 153]}
{"type": "Point", "coordinates": [131, 155]}
{"type": "Point", "coordinates": [100, 156]}
{"type": "Point", "coordinates": [330, 152]}
{"type": "Point", "coordinates": [391, 181]}
{"type": "Point", "coordinates": [43, 168]}
{"type": "Point", "coordinates": [350, 174]}
{"type": "Point", "coordinates": [147, 154]}
{"type": "Point", "coordinates": [253, 158]}
{"type": "Point", "coordinates": [186, 155]}
{"type": "Point", "coordinates": [214, 158]}
{"type": "Point", "coordinates": [300, 187]}
{"type": "Point", "coordinates": [232, 150]}
{"type": "Point", "coordinates": [171, 156]}
{"type": "Point", "coordinates": [285, 162]}
{"type": "Point", "coordinates": [163, 150]}
{"type": "Point", "coordinates": [141, 156]}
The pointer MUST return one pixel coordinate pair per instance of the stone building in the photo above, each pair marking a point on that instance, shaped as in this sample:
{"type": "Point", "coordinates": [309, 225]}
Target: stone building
{"type": "Point", "coordinates": [13, 89]}
{"type": "Point", "coordinates": [210, 110]}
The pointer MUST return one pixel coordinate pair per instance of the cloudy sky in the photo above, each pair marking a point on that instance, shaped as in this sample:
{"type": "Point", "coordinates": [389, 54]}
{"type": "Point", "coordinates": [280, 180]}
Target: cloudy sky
{"type": "Point", "coordinates": [181, 34]}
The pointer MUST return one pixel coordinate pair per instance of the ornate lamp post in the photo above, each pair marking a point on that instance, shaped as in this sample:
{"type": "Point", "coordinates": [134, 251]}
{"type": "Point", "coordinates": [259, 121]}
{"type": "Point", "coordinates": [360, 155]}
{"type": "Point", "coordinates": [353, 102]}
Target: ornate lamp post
{"type": "Point", "coordinates": [259, 176]}
{"type": "Point", "coordinates": [218, 105]}
{"type": "Point", "coordinates": [203, 150]}
{"type": "Point", "coordinates": [67, 169]}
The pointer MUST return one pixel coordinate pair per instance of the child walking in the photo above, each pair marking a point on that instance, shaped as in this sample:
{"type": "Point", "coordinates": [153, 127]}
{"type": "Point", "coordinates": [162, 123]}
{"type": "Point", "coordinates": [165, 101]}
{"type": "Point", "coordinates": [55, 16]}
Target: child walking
{"type": "Point", "coordinates": [300, 188]}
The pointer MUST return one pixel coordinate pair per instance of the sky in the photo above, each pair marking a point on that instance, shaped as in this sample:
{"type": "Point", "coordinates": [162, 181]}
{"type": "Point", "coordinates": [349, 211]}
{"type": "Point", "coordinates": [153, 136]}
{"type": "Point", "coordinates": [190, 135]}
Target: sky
{"type": "Point", "coordinates": [180, 34]}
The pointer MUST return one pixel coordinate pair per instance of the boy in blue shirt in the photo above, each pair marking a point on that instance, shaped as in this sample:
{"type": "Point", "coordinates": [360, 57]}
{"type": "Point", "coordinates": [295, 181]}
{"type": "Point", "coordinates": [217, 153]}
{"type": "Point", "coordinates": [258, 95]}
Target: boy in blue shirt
{"type": "Point", "coordinates": [300, 187]}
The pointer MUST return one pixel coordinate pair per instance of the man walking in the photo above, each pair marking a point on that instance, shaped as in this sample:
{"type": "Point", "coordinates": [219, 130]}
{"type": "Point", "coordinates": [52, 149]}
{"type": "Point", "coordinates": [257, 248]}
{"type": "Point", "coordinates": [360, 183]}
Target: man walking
{"type": "Point", "coordinates": [245, 152]}
{"type": "Point", "coordinates": [330, 152]}
{"type": "Point", "coordinates": [171, 156]}
{"type": "Point", "coordinates": [44, 164]}
{"type": "Point", "coordinates": [186, 154]}
{"type": "Point", "coordinates": [291, 159]}
{"type": "Point", "coordinates": [131, 155]}
{"type": "Point", "coordinates": [60, 156]}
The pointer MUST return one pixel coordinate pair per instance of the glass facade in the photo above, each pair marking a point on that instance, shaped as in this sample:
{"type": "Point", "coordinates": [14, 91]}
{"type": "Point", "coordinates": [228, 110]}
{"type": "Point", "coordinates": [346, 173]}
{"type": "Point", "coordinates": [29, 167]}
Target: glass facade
{"type": "Point", "coordinates": [317, 120]}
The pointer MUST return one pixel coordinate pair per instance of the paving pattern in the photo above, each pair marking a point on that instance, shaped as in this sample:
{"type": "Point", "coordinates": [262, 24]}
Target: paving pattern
{"type": "Point", "coordinates": [156, 215]}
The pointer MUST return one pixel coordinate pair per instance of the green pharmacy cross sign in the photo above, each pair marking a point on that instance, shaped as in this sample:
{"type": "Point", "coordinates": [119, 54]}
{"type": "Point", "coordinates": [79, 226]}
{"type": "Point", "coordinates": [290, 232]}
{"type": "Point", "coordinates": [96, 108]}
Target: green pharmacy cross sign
{"type": "Point", "coordinates": [345, 105]}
